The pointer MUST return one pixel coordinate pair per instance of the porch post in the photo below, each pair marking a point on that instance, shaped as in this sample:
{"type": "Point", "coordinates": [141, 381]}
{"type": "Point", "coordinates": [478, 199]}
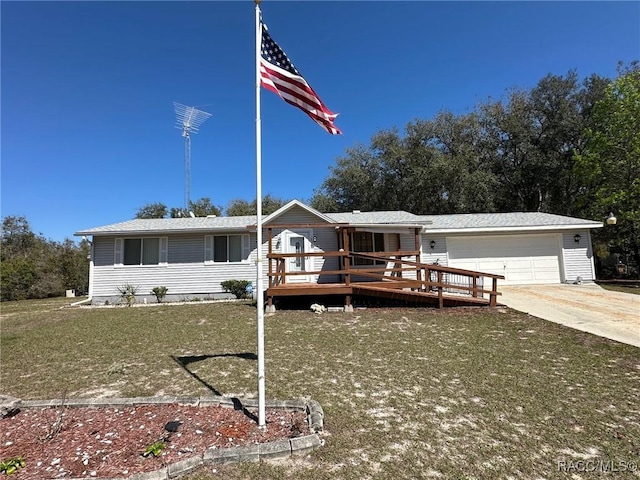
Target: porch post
{"type": "Point", "coordinates": [418, 249]}
{"type": "Point", "coordinates": [345, 257]}
{"type": "Point", "coordinates": [493, 297]}
{"type": "Point", "coordinates": [270, 250]}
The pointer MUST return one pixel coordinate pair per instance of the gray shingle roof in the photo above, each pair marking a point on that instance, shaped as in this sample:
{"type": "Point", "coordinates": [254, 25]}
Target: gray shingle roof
{"type": "Point", "coordinates": [498, 221]}
{"type": "Point", "coordinates": [376, 218]}
{"type": "Point", "coordinates": [431, 223]}
{"type": "Point", "coordinates": [172, 225]}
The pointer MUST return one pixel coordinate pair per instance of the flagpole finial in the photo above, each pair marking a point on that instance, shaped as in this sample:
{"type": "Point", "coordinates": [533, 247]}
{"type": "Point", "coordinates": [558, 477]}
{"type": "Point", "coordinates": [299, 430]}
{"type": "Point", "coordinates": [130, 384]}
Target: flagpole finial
{"type": "Point", "coordinates": [257, 2]}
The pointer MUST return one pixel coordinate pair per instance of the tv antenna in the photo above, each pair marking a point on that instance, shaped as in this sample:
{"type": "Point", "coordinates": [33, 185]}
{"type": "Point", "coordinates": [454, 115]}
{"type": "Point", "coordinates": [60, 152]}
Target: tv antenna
{"type": "Point", "coordinates": [188, 119]}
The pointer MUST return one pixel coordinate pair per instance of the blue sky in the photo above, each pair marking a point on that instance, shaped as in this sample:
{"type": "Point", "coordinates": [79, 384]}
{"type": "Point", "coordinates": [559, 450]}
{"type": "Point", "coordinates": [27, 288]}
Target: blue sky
{"type": "Point", "coordinates": [88, 132]}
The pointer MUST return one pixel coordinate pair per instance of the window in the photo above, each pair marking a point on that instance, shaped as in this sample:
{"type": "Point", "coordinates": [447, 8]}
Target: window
{"type": "Point", "coordinates": [226, 248]}
{"type": "Point", "coordinates": [367, 242]}
{"type": "Point", "coordinates": [141, 251]}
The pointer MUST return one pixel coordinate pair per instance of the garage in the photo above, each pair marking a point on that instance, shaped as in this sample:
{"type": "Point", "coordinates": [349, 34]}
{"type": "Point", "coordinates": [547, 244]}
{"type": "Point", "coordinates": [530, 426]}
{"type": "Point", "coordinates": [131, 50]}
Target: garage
{"type": "Point", "coordinates": [522, 259]}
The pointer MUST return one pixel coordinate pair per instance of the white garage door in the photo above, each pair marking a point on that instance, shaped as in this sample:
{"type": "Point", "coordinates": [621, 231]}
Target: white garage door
{"type": "Point", "coordinates": [521, 259]}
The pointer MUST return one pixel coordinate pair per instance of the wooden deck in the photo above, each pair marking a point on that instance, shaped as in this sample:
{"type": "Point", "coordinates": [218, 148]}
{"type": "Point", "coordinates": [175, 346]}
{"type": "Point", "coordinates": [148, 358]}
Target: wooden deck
{"type": "Point", "coordinates": [396, 275]}
{"type": "Point", "coordinates": [428, 284]}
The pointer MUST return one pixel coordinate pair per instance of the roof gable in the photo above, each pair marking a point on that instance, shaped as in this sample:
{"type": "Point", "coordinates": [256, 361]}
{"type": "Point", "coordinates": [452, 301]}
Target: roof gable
{"type": "Point", "coordinates": [291, 205]}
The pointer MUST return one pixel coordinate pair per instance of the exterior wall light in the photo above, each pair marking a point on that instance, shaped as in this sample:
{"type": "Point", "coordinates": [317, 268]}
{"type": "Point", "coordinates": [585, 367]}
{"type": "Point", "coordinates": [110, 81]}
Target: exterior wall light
{"type": "Point", "coordinates": [576, 238]}
{"type": "Point", "coordinates": [611, 219]}
{"type": "Point", "coordinates": [432, 244]}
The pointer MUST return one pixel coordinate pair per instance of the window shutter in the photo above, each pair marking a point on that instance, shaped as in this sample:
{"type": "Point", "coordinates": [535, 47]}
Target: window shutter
{"type": "Point", "coordinates": [208, 248]}
{"type": "Point", "coordinates": [246, 247]}
{"type": "Point", "coordinates": [164, 250]}
{"type": "Point", "coordinates": [117, 252]}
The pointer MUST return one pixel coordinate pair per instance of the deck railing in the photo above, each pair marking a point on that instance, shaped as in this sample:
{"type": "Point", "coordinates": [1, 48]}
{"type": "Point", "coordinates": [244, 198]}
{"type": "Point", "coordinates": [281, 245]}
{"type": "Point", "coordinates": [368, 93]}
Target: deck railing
{"type": "Point", "coordinates": [395, 270]}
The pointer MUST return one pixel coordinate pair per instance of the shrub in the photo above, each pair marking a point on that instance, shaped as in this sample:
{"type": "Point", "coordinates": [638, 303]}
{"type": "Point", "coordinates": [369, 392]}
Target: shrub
{"type": "Point", "coordinates": [128, 293]}
{"type": "Point", "coordinates": [236, 287]}
{"type": "Point", "coordinates": [12, 465]}
{"type": "Point", "coordinates": [159, 292]}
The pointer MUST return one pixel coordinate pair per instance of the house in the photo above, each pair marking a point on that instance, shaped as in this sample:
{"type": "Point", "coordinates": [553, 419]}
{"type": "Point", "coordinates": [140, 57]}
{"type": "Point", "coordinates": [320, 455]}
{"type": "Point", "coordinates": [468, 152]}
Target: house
{"type": "Point", "coordinates": [192, 256]}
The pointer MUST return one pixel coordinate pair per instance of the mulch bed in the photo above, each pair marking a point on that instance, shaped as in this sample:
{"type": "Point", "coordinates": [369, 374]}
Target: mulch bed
{"type": "Point", "coordinates": [64, 442]}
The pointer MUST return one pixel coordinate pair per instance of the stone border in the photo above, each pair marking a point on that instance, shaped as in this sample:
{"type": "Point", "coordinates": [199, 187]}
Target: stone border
{"type": "Point", "coordinates": [212, 456]}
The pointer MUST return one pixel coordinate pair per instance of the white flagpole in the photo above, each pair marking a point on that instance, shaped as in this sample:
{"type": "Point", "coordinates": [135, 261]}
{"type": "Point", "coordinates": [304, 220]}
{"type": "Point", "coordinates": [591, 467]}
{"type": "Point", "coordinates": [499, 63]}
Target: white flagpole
{"type": "Point", "coordinates": [260, 293]}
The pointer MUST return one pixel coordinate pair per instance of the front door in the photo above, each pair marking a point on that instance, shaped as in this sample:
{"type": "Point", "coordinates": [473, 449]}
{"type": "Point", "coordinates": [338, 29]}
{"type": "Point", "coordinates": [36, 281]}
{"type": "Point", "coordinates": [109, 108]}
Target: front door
{"type": "Point", "coordinates": [297, 242]}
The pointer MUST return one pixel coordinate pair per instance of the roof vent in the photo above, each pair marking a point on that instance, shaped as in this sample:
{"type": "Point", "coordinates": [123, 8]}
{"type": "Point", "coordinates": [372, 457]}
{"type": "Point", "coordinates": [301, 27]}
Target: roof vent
{"type": "Point", "coordinates": [356, 212]}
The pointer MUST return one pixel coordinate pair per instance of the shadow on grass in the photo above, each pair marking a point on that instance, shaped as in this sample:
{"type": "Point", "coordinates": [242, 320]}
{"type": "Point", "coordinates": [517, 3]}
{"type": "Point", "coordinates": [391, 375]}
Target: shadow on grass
{"type": "Point", "coordinates": [185, 361]}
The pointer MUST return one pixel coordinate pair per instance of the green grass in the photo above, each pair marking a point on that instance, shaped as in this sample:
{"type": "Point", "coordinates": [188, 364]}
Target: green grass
{"type": "Point", "coordinates": [407, 393]}
{"type": "Point", "coordinates": [621, 288]}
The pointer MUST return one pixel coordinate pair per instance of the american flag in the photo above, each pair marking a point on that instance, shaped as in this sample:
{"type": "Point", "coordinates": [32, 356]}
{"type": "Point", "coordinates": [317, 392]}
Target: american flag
{"type": "Point", "coordinates": [278, 74]}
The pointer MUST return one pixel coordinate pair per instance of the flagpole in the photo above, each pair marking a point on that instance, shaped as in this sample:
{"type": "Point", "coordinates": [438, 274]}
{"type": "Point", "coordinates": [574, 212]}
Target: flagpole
{"type": "Point", "coordinates": [259, 282]}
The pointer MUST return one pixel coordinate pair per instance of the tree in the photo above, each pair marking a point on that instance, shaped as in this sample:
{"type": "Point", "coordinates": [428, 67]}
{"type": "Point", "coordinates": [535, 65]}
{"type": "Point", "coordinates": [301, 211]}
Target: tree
{"type": "Point", "coordinates": [610, 164]}
{"type": "Point", "coordinates": [239, 207]}
{"type": "Point", "coordinates": [17, 237]}
{"type": "Point", "coordinates": [18, 270]}
{"type": "Point", "coordinates": [72, 260]}
{"type": "Point", "coordinates": [353, 181]}
{"type": "Point", "coordinates": [200, 208]}
{"type": "Point", "coordinates": [323, 202]}
{"type": "Point", "coordinates": [34, 267]}
{"type": "Point", "coordinates": [451, 166]}
{"type": "Point", "coordinates": [438, 166]}
{"type": "Point", "coordinates": [152, 210]}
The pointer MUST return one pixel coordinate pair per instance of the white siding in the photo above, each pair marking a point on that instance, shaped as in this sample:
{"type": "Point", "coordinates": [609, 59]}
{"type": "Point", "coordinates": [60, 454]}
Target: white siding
{"type": "Point", "coordinates": [578, 256]}
{"type": "Point", "coordinates": [408, 243]}
{"type": "Point", "coordinates": [326, 240]}
{"type": "Point", "coordinates": [185, 274]}
{"type": "Point", "coordinates": [436, 254]}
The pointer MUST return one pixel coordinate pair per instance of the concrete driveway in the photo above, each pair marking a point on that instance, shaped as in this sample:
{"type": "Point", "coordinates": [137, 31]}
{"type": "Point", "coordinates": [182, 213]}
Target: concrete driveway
{"type": "Point", "coordinates": [587, 307]}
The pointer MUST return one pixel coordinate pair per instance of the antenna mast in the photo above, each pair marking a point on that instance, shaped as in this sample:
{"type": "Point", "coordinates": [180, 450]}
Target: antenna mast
{"type": "Point", "coordinates": [188, 119]}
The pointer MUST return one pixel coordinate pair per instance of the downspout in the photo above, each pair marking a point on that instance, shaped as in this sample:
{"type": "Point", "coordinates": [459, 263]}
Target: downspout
{"type": "Point", "coordinates": [88, 299]}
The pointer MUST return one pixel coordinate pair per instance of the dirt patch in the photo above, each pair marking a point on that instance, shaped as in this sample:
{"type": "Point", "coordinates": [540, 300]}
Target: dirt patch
{"type": "Point", "coordinates": [64, 442]}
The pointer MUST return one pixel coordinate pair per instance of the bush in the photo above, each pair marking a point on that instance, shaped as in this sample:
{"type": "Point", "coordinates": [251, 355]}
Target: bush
{"type": "Point", "coordinates": [159, 292]}
{"type": "Point", "coordinates": [236, 287]}
{"type": "Point", "coordinates": [128, 293]}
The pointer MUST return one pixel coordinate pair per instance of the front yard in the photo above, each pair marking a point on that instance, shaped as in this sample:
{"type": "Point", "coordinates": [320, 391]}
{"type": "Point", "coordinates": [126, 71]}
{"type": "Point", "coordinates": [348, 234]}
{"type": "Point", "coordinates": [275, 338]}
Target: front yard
{"type": "Point", "coordinates": [407, 393]}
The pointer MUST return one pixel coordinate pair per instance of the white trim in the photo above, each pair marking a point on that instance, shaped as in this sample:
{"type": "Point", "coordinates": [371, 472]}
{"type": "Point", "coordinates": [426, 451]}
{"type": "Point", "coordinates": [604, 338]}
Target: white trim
{"type": "Point", "coordinates": [292, 204]}
{"type": "Point", "coordinates": [245, 248]}
{"type": "Point", "coordinates": [208, 249]}
{"type": "Point", "coordinates": [118, 251]}
{"type": "Point", "coordinates": [384, 228]}
{"type": "Point", "coordinates": [163, 253]}
{"type": "Point", "coordinates": [538, 228]}
{"type": "Point", "coordinates": [307, 235]}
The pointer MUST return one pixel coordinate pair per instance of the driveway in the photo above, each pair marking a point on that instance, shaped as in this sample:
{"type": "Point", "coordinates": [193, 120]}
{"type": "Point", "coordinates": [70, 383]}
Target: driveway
{"type": "Point", "coordinates": [587, 307]}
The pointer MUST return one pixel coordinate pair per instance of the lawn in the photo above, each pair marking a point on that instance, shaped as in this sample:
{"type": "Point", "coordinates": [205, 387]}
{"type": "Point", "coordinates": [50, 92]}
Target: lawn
{"type": "Point", "coordinates": [621, 288]}
{"type": "Point", "coordinates": [407, 393]}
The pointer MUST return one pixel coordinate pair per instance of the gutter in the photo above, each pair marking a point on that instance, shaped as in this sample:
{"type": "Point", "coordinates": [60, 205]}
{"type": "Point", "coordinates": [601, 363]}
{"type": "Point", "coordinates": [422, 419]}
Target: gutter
{"type": "Point", "coordinates": [521, 229]}
{"type": "Point", "coordinates": [81, 302]}
{"type": "Point", "coordinates": [90, 296]}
